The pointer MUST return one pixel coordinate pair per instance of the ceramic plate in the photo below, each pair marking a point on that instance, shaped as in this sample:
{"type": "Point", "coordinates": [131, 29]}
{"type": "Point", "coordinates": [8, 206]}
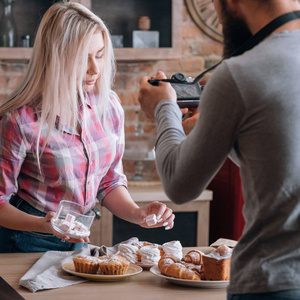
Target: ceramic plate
{"type": "Point", "coordinates": [144, 266]}
{"type": "Point", "coordinates": [195, 283]}
{"type": "Point", "coordinates": [132, 270]}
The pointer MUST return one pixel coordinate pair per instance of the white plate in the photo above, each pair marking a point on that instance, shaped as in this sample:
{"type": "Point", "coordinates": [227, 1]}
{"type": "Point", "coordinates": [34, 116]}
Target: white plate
{"type": "Point", "coordinates": [132, 270]}
{"type": "Point", "coordinates": [195, 283]}
{"type": "Point", "coordinates": [145, 266]}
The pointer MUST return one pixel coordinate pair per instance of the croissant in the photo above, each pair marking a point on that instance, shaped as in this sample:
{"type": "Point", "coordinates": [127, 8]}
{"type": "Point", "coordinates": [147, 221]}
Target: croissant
{"type": "Point", "coordinates": [178, 270]}
{"type": "Point", "coordinates": [194, 257]}
{"type": "Point", "coordinates": [198, 269]}
{"type": "Point", "coordinates": [167, 259]}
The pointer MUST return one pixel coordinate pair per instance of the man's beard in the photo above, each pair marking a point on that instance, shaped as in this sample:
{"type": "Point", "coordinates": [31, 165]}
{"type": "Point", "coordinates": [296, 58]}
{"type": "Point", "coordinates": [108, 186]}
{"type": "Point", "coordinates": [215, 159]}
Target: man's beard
{"type": "Point", "coordinates": [235, 31]}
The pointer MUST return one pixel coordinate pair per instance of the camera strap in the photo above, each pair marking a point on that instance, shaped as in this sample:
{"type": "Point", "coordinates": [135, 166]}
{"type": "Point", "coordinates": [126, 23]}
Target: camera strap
{"type": "Point", "coordinates": [258, 37]}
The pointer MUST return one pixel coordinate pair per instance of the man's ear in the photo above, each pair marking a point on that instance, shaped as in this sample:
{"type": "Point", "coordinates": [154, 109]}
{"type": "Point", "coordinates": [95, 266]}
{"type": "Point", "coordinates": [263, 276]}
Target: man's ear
{"type": "Point", "coordinates": [235, 6]}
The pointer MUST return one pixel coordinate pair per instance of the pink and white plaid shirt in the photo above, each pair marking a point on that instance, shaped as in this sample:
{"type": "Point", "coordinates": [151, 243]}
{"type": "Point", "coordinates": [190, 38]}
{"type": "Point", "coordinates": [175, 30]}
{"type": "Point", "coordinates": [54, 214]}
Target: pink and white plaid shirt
{"type": "Point", "coordinates": [79, 168]}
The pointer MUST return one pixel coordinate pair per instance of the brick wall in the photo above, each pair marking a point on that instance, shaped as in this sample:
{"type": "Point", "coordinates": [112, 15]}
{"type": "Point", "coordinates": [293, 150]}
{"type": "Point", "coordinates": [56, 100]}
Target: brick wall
{"type": "Point", "coordinates": [198, 53]}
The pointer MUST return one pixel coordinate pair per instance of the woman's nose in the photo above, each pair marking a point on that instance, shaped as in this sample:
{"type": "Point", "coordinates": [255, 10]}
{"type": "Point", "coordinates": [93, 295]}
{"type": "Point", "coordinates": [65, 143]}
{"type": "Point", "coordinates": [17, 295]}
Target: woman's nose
{"type": "Point", "coordinates": [93, 67]}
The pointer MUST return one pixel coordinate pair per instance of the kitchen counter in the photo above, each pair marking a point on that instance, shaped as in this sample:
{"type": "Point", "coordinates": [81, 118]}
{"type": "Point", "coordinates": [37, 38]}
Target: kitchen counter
{"type": "Point", "coordinates": [142, 286]}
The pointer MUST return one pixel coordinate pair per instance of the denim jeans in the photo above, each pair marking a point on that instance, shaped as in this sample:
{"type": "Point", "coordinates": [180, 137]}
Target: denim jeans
{"type": "Point", "coordinates": [281, 295]}
{"type": "Point", "coordinates": [27, 241]}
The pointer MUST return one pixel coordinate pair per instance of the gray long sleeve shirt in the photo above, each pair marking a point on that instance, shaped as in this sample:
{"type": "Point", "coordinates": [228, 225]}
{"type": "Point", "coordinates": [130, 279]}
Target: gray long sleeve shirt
{"type": "Point", "coordinates": [251, 106]}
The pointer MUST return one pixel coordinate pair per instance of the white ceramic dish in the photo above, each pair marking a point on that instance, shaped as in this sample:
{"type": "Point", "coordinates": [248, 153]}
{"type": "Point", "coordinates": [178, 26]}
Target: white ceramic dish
{"type": "Point", "coordinates": [144, 266]}
{"type": "Point", "coordinates": [132, 270]}
{"type": "Point", "coordinates": [194, 283]}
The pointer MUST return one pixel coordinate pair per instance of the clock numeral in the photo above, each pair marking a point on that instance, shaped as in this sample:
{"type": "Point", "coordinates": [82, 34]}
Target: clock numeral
{"type": "Point", "coordinates": [215, 23]}
{"type": "Point", "coordinates": [206, 13]}
{"type": "Point", "coordinates": [202, 4]}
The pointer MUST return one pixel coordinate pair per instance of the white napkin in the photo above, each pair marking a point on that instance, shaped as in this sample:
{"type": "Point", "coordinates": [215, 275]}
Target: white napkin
{"type": "Point", "coordinates": [47, 272]}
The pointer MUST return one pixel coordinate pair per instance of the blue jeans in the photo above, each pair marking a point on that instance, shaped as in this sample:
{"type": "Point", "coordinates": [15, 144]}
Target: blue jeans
{"type": "Point", "coordinates": [12, 241]}
{"type": "Point", "coordinates": [280, 295]}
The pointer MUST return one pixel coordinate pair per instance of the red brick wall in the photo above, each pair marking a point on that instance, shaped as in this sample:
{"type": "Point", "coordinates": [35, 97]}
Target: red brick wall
{"type": "Point", "coordinates": [198, 53]}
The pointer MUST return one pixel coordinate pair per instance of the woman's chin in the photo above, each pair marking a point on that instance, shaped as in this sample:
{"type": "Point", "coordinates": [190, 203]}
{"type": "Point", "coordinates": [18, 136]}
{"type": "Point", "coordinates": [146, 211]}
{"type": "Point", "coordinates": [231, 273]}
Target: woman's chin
{"type": "Point", "coordinates": [87, 87]}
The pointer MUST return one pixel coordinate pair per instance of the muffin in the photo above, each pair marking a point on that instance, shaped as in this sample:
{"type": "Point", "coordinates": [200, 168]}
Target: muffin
{"type": "Point", "coordinates": [86, 264]}
{"type": "Point", "coordinates": [113, 264]}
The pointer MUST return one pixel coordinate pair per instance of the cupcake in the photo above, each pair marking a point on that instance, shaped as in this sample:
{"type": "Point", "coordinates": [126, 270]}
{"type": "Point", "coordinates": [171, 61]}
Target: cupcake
{"type": "Point", "coordinates": [113, 264]}
{"type": "Point", "coordinates": [86, 264]}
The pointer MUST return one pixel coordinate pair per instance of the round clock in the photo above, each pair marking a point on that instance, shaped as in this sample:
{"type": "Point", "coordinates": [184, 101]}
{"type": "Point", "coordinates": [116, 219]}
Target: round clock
{"type": "Point", "coordinates": [204, 15]}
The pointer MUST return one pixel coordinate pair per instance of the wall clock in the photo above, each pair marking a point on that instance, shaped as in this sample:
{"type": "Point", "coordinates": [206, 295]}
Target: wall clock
{"type": "Point", "coordinates": [205, 16]}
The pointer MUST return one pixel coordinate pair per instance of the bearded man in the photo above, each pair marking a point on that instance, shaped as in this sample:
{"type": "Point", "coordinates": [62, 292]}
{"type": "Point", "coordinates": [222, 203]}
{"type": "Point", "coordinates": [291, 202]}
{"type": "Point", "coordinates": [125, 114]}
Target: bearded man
{"type": "Point", "coordinates": [250, 111]}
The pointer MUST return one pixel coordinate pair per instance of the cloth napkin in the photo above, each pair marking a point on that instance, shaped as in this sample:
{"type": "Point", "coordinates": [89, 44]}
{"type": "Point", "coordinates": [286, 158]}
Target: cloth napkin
{"type": "Point", "coordinates": [47, 272]}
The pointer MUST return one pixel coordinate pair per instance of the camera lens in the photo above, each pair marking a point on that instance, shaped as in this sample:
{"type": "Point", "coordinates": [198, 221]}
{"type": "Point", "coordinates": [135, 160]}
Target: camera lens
{"type": "Point", "coordinates": [179, 77]}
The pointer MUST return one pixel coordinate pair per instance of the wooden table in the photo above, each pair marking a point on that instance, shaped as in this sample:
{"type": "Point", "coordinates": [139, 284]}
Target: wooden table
{"type": "Point", "coordinates": [142, 286]}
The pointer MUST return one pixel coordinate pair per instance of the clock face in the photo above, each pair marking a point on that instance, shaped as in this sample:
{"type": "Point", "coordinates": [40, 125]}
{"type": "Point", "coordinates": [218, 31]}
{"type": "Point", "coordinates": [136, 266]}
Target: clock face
{"type": "Point", "coordinates": [204, 15]}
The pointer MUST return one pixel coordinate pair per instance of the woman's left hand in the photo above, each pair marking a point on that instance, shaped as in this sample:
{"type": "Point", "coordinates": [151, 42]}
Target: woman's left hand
{"type": "Point", "coordinates": [163, 214]}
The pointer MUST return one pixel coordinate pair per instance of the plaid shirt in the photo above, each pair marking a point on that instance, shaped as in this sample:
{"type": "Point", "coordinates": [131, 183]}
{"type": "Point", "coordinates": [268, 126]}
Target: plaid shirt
{"type": "Point", "coordinates": [79, 167]}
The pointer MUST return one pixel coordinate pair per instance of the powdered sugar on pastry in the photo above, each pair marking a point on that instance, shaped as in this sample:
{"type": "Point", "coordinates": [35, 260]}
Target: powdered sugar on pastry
{"type": "Point", "coordinates": [174, 248]}
{"type": "Point", "coordinates": [129, 251]}
{"type": "Point", "coordinates": [150, 255]}
{"type": "Point", "coordinates": [222, 252]}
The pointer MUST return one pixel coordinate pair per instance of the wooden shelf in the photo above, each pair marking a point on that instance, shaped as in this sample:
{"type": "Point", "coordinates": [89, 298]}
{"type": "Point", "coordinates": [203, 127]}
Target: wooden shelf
{"type": "Point", "coordinates": [124, 54]}
{"type": "Point", "coordinates": [16, 53]}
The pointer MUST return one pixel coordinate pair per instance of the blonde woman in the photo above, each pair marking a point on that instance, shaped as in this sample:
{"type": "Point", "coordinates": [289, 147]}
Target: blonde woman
{"type": "Point", "coordinates": [62, 135]}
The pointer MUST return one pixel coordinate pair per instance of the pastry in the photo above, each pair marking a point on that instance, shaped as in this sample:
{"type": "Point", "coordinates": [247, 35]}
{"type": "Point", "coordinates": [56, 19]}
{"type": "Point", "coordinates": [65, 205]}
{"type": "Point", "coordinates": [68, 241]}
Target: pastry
{"type": "Point", "coordinates": [140, 245]}
{"type": "Point", "coordinates": [179, 270]}
{"type": "Point", "coordinates": [129, 251]}
{"type": "Point", "coordinates": [196, 268]}
{"type": "Point", "coordinates": [226, 242]}
{"type": "Point", "coordinates": [113, 264]}
{"type": "Point", "coordinates": [216, 264]}
{"type": "Point", "coordinates": [162, 252]}
{"type": "Point", "coordinates": [174, 248]}
{"type": "Point", "coordinates": [86, 264]}
{"type": "Point", "coordinates": [194, 257]}
{"type": "Point", "coordinates": [150, 255]}
{"type": "Point", "coordinates": [167, 259]}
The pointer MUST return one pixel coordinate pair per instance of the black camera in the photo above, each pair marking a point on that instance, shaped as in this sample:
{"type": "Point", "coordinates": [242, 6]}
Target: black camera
{"type": "Point", "coordinates": [188, 92]}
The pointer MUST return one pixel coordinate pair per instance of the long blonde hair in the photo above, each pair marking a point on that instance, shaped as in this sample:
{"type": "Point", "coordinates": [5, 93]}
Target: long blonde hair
{"type": "Point", "coordinates": [58, 62]}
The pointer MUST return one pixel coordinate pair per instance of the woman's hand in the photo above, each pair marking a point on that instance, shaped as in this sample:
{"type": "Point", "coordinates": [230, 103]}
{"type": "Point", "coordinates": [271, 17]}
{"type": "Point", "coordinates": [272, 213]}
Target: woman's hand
{"type": "Point", "coordinates": [164, 215]}
{"type": "Point", "coordinates": [120, 203]}
{"type": "Point", "coordinates": [47, 227]}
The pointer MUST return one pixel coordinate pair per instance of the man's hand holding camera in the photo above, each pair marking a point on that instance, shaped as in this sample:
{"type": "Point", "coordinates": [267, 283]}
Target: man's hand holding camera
{"type": "Point", "coordinates": [150, 95]}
